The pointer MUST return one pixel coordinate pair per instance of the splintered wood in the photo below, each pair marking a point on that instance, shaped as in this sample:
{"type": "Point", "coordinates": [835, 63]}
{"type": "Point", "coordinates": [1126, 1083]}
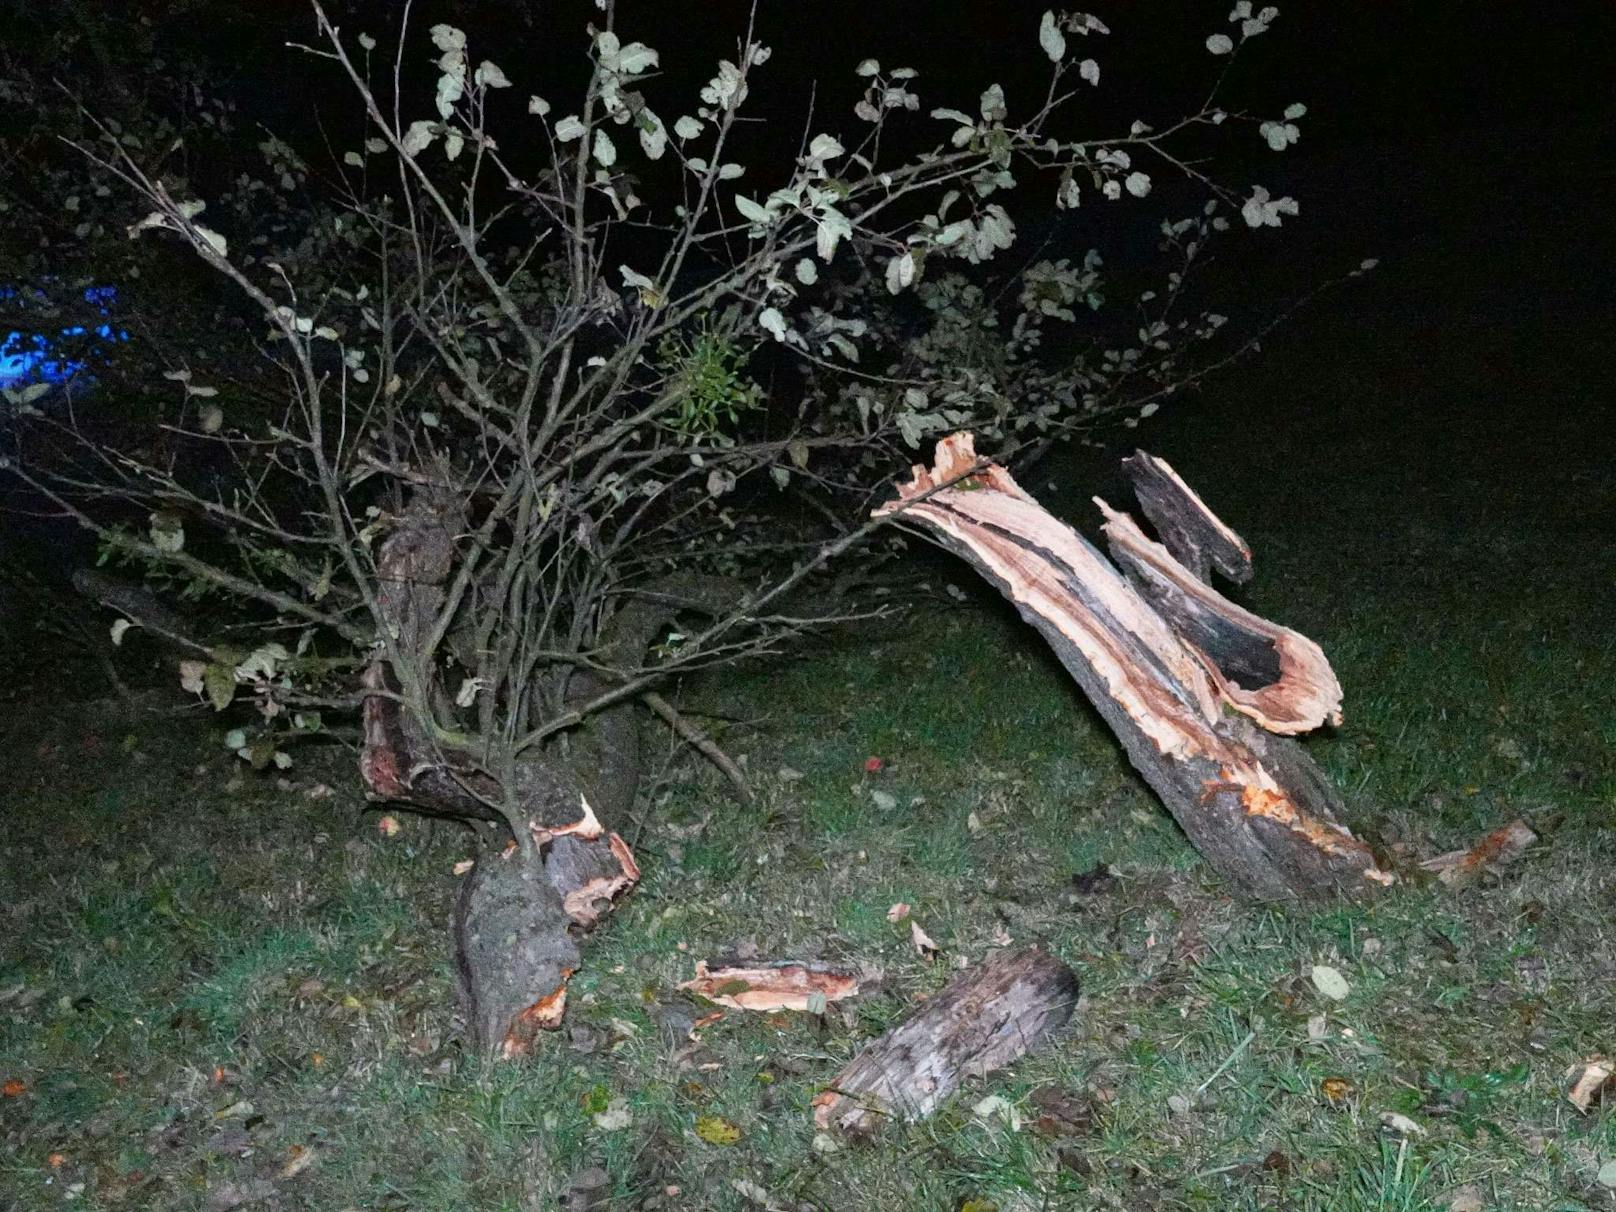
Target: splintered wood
{"type": "Point", "coordinates": [1194, 686]}
{"type": "Point", "coordinates": [982, 1020]}
{"type": "Point", "coordinates": [777, 985]}
{"type": "Point", "coordinates": [518, 911]}
{"type": "Point", "coordinates": [1499, 847]}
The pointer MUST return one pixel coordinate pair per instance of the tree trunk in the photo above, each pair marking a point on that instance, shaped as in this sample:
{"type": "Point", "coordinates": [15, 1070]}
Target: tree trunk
{"type": "Point", "coordinates": [520, 911]}
{"type": "Point", "coordinates": [1191, 684]}
{"type": "Point", "coordinates": [984, 1019]}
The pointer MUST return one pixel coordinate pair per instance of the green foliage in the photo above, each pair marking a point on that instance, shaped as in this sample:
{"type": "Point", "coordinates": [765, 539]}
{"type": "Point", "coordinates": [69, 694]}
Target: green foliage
{"type": "Point", "coordinates": [708, 381]}
{"type": "Point", "coordinates": [596, 418]}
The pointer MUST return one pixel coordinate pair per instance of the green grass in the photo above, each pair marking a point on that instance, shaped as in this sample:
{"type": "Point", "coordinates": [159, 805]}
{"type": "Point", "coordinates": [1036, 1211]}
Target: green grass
{"type": "Point", "coordinates": [209, 980]}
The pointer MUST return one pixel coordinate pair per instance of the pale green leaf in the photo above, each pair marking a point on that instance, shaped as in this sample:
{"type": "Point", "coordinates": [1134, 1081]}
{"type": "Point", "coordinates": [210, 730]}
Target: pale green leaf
{"type": "Point", "coordinates": [1051, 39]}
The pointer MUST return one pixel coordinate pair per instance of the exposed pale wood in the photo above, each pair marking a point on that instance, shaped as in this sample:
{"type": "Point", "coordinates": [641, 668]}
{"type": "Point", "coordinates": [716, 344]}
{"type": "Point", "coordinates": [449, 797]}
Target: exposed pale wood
{"type": "Point", "coordinates": [1197, 538]}
{"type": "Point", "coordinates": [774, 985]}
{"type": "Point", "coordinates": [1253, 804]}
{"type": "Point", "coordinates": [519, 910]}
{"type": "Point", "coordinates": [1591, 1083]}
{"type": "Point", "coordinates": [1278, 677]}
{"type": "Point", "coordinates": [984, 1019]}
{"type": "Point", "coordinates": [1501, 846]}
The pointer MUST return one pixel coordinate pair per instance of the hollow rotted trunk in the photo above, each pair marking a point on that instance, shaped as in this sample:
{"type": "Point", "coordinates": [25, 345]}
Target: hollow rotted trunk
{"type": "Point", "coordinates": [1194, 686]}
{"type": "Point", "coordinates": [984, 1019]}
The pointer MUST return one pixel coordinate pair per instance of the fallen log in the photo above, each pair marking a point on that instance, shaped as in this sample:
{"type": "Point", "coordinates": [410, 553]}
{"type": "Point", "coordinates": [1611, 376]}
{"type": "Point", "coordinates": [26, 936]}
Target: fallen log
{"type": "Point", "coordinates": [984, 1019]}
{"type": "Point", "coordinates": [1192, 685]}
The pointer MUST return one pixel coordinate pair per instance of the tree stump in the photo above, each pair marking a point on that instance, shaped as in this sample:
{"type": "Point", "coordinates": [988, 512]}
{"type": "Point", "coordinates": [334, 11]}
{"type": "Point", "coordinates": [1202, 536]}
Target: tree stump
{"type": "Point", "coordinates": [1194, 686]}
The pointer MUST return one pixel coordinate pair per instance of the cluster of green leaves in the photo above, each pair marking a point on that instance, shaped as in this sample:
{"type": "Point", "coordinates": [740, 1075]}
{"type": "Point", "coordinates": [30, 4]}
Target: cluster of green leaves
{"type": "Point", "coordinates": [597, 412]}
{"type": "Point", "coordinates": [711, 387]}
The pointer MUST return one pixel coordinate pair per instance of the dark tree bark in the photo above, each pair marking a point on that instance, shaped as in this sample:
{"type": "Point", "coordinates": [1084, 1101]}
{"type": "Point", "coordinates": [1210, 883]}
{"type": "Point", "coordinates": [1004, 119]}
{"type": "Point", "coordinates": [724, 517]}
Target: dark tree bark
{"type": "Point", "coordinates": [1191, 532]}
{"type": "Point", "coordinates": [1189, 682]}
{"type": "Point", "coordinates": [984, 1019]}
{"type": "Point", "coordinates": [142, 608]}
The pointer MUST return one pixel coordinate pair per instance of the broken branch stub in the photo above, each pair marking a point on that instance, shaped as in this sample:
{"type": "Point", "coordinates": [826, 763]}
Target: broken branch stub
{"type": "Point", "coordinates": [1278, 677]}
{"type": "Point", "coordinates": [1196, 537]}
{"type": "Point", "coordinates": [984, 1019]}
{"type": "Point", "coordinates": [1189, 682]}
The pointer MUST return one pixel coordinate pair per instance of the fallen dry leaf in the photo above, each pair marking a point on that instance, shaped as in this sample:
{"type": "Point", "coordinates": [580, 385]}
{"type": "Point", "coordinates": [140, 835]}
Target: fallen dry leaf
{"type": "Point", "coordinates": [1330, 982]}
{"type": "Point", "coordinates": [1061, 1113]}
{"type": "Point", "coordinates": [898, 912]}
{"type": "Point", "coordinates": [922, 942]}
{"type": "Point", "coordinates": [1336, 1089]}
{"type": "Point", "coordinates": [1392, 1121]}
{"type": "Point", "coordinates": [616, 1117]}
{"type": "Point", "coordinates": [716, 1130]}
{"type": "Point", "coordinates": [298, 1159]}
{"type": "Point", "coordinates": [782, 985]}
{"type": "Point", "coordinates": [996, 1107]}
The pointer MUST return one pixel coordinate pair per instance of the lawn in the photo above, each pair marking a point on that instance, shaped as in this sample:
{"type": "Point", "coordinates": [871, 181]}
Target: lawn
{"type": "Point", "coordinates": [225, 989]}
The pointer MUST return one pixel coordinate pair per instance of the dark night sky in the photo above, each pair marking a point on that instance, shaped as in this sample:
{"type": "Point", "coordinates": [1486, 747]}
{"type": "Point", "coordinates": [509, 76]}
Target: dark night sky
{"type": "Point", "coordinates": [1367, 70]}
{"type": "Point", "coordinates": [1421, 99]}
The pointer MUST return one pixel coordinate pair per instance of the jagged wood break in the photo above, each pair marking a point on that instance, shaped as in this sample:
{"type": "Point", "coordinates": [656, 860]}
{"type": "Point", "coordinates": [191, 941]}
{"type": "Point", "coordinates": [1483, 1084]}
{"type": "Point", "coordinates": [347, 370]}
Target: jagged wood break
{"type": "Point", "coordinates": [1193, 686]}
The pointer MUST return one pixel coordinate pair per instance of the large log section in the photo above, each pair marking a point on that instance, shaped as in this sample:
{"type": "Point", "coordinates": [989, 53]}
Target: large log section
{"type": "Point", "coordinates": [1193, 686]}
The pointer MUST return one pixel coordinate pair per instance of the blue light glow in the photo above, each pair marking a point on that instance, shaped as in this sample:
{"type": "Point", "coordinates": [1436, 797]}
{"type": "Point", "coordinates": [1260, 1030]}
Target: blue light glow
{"type": "Point", "coordinates": [34, 357]}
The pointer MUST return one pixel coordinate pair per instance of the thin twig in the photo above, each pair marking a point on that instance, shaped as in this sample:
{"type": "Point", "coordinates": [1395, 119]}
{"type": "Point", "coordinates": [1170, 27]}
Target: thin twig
{"type": "Point", "coordinates": [699, 741]}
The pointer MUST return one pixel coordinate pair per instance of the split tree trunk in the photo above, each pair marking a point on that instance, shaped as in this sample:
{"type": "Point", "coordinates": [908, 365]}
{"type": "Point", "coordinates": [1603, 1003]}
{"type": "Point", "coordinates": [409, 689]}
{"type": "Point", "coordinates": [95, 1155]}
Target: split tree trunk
{"type": "Point", "coordinates": [521, 909]}
{"type": "Point", "coordinates": [1193, 685]}
{"type": "Point", "coordinates": [984, 1019]}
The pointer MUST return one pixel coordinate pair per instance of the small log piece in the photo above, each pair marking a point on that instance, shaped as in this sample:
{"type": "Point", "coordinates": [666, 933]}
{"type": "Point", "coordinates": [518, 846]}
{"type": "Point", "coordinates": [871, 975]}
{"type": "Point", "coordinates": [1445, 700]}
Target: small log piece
{"type": "Point", "coordinates": [984, 1019]}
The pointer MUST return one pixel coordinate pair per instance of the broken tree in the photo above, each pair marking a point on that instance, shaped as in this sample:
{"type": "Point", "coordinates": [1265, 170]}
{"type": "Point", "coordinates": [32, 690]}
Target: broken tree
{"type": "Point", "coordinates": [522, 906]}
{"type": "Point", "coordinates": [1203, 695]}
